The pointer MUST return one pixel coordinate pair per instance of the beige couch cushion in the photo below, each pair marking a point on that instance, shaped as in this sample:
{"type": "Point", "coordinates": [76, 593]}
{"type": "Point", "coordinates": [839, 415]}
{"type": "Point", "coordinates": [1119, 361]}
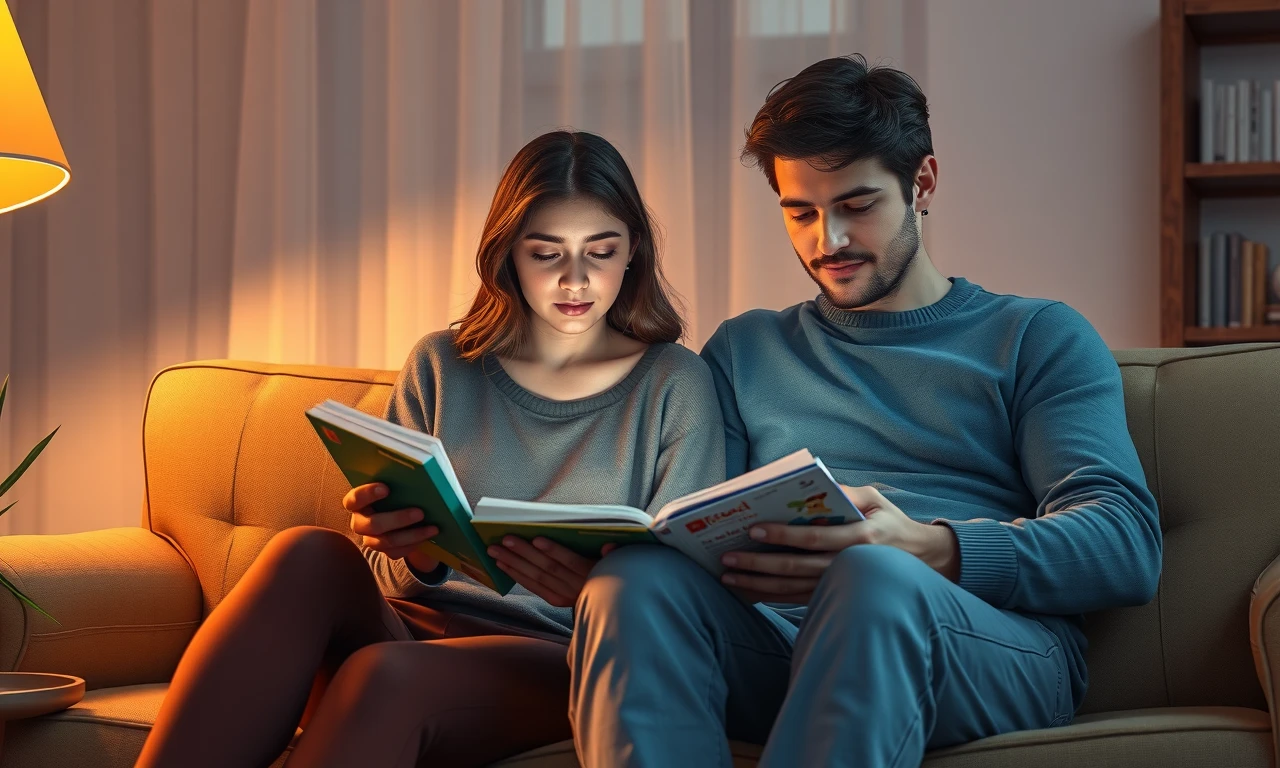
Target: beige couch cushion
{"type": "Point", "coordinates": [107, 728]}
{"type": "Point", "coordinates": [1209, 737]}
{"type": "Point", "coordinates": [1206, 424]}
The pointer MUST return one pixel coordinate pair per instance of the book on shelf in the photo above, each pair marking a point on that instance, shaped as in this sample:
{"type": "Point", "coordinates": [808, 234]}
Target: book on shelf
{"type": "Point", "coordinates": [796, 490]}
{"type": "Point", "coordinates": [1237, 282]}
{"type": "Point", "coordinates": [1239, 121]}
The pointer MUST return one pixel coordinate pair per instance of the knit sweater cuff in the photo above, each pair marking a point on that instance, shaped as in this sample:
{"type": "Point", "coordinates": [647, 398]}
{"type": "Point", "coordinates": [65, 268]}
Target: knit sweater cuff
{"type": "Point", "coordinates": [429, 578]}
{"type": "Point", "coordinates": [988, 561]}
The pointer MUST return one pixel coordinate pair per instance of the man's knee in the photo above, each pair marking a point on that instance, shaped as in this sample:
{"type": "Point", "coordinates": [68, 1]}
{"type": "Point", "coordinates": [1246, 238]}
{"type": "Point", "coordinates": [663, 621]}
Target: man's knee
{"type": "Point", "coordinates": [870, 579]}
{"type": "Point", "coordinates": [640, 583]}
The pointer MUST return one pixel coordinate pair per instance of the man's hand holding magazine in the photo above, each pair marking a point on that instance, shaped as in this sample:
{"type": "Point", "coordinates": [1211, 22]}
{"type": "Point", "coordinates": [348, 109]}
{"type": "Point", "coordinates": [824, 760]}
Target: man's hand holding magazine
{"type": "Point", "coordinates": [791, 577]}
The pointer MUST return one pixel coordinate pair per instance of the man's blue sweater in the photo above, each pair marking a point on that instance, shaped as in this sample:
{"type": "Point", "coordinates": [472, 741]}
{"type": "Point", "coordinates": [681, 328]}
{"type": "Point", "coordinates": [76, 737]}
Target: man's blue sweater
{"type": "Point", "coordinates": [1000, 416]}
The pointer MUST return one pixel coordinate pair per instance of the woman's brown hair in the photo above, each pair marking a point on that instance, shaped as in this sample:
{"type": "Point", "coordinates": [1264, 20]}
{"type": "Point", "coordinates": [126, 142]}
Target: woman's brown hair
{"type": "Point", "coordinates": [555, 166]}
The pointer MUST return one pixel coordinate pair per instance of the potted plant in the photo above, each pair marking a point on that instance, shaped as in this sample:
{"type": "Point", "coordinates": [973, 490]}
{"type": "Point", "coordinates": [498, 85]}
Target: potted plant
{"type": "Point", "coordinates": [7, 484]}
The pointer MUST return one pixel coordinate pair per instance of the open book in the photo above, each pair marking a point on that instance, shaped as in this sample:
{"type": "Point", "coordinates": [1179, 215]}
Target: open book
{"type": "Point", "coordinates": [417, 473]}
{"type": "Point", "coordinates": [796, 490]}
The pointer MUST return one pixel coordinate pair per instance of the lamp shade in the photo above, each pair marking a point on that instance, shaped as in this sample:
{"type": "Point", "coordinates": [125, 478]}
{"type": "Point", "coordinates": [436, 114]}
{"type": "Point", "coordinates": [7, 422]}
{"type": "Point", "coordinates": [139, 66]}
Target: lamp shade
{"type": "Point", "coordinates": [32, 164]}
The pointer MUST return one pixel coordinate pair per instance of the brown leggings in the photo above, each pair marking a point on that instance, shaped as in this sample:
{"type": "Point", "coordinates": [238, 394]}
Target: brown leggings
{"type": "Point", "coordinates": [306, 631]}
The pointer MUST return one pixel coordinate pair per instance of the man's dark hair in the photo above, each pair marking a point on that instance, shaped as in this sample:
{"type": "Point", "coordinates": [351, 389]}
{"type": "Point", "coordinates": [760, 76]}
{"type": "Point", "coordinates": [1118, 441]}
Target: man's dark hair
{"type": "Point", "coordinates": [839, 111]}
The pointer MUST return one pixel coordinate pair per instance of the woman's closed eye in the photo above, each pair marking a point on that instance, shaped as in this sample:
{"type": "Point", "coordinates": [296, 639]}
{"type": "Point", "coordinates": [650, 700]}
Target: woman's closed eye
{"type": "Point", "coordinates": [599, 256]}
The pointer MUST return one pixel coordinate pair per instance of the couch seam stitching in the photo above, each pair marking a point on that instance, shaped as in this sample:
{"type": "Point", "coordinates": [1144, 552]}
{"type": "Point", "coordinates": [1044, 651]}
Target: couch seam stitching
{"type": "Point", "coordinates": [235, 471]}
{"type": "Point", "coordinates": [82, 631]}
{"type": "Point", "coordinates": [1097, 737]}
{"type": "Point", "coordinates": [1155, 449]}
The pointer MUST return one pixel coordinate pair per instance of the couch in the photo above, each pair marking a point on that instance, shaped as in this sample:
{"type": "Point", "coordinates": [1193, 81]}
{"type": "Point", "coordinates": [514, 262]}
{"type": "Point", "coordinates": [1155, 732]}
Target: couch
{"type": "Point", "coordinates": [1187, 680]}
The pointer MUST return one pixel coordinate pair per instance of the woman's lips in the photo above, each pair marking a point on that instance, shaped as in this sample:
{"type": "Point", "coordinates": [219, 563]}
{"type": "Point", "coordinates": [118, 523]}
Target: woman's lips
{"type": "Point", "coordinates": [575, 309]}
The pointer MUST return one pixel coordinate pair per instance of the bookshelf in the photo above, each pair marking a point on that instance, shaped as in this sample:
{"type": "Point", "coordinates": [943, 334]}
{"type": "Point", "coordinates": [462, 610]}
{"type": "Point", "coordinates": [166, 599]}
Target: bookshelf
{"type": "Point", "coordinates": [1187, 26]}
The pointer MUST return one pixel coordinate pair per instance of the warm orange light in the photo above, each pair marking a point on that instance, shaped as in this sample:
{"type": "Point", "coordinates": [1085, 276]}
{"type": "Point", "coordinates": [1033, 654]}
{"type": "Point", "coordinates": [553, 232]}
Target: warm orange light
{"type": "Point", "coordinates": [32, 164]}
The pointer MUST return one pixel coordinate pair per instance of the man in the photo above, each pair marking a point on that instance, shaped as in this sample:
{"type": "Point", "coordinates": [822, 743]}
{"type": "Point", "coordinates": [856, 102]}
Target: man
{"type": "Point", "coordinates": [982, 435]}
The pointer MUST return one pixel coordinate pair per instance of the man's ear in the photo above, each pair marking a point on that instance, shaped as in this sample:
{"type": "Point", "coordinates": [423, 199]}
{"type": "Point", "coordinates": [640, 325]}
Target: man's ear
{"type": "Point", "coordinates": [925, 183]}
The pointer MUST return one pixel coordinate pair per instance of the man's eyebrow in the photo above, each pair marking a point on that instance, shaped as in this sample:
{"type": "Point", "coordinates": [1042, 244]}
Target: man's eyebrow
{"type": "Point", "coordinates": [555, 239]}
{"type": "Point", "coordinates": [863, 191]}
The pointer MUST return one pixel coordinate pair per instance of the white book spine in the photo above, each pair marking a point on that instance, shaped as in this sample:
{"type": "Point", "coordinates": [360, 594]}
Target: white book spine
{"type": "Point", "coordinates": [1206, 120]}
{"type": "Point", "coordinates": [1229, 150]}
{"type": "Point", "coordinates": [1219, 123]}
{"type": "Point", "coordinates": [1267, 137]}
{"type": "Point", "coordinates": [1242, 121]}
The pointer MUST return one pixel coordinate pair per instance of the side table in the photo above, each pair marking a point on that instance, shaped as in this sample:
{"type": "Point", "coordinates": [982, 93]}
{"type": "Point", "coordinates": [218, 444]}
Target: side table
{"type": "Point", "coordinates": [31, 694]}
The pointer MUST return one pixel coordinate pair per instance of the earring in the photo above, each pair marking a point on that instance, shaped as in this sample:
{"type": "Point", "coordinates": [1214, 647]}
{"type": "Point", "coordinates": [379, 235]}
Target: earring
{"type": "Point", "coordinates": [925, 212]}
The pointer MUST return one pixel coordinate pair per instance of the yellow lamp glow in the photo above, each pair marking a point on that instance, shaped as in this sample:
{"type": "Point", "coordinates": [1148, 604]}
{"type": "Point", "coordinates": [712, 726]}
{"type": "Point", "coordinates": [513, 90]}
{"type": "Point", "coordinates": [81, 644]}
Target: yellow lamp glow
{"type": "Point", "coordinates": [32, 164]}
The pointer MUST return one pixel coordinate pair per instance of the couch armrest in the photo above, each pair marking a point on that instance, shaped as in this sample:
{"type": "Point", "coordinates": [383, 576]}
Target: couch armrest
{"type": "Point", "coordinates": [1264, 639]}
{"type": "Point", "coordinates": [126, 604]}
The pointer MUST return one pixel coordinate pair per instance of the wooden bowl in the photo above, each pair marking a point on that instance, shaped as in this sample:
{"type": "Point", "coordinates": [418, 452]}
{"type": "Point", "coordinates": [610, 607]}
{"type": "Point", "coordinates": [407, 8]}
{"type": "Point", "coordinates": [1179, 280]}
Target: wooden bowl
{"type": "Point", "coordinates": [31, 694]}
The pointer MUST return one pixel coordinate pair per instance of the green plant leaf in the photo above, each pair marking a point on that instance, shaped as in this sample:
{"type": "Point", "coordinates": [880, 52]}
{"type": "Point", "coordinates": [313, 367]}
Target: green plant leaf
{"type": "Point", "coordinates": [9, 585]}
{"type": "Point", "coordinates": [17, 473]}
{"type": "Point", "coordinates": [6, 509]}
{"type": "Point", "coordinates": [3, 388]}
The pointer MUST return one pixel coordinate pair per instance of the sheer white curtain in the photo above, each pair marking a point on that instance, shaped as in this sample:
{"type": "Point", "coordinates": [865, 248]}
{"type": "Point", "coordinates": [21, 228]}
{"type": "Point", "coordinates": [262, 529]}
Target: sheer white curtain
{"type": "Point", "coordinates": [373, 134]}
{"type": "Point", "coordinates": [304, 181]}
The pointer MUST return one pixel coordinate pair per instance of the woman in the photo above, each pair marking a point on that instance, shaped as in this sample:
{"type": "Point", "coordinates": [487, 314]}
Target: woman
{"type": "Point", "coordinates": [562, 383]}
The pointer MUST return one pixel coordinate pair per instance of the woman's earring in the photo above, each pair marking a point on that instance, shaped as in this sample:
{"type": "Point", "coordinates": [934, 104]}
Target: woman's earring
{"type": "Point", "coordinates": [925, 212]}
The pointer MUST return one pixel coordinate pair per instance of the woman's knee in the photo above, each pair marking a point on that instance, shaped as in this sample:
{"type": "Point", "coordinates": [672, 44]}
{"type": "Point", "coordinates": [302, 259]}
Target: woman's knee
{"type": "Point", "coordinates": [381, 672]}
{"type": "Point", "coordinates": [308, 554]}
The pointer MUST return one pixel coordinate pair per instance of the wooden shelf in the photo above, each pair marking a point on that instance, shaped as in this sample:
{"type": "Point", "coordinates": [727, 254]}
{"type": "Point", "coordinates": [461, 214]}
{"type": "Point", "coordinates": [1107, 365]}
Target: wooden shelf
{"type": "Point", "coordinates": [1186, 26]}
{"type": "Point", "coordinates": [1196, 335]}
{"type": "Point", "coordinates": [1233, 179]}
{"type": "Point", "coordinates": [1231, 22]}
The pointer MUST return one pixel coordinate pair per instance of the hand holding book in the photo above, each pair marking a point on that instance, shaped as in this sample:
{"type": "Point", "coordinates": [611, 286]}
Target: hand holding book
{"type": "Point", "coordinates": [794, 491]}
{"type": "Point", "coordinates": [791, 575]}
{"type": "Point", "coordinates": [545, 568]}
{"type": "Point", "coordinates": [394, 533]}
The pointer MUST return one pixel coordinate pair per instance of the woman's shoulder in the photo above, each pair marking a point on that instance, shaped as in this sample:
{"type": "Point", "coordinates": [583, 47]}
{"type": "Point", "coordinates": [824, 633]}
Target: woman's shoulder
{"type": "Point", "coordinates": [435, 354]}
{"type": "Point", "coordinates": [435, 346]}
{"type": "Point", "coordinates": [676, 366]}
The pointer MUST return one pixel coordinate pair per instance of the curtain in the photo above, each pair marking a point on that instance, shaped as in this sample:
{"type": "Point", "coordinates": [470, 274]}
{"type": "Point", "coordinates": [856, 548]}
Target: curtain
{"type": "Point", "coordinates": [304, 181]}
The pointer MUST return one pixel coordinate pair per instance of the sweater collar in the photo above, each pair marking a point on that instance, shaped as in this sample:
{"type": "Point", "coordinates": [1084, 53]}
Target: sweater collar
{"type": "Point", "coordinates": [960, 293]}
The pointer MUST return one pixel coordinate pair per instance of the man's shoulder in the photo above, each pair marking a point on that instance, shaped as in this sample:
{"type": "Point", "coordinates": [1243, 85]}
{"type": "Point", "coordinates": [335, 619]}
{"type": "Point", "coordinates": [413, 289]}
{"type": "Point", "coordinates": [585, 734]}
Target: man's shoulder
{"type": "Point", "coordinates": [760, 323]}
{"type": "Point", "coordinates": [1040, 317]}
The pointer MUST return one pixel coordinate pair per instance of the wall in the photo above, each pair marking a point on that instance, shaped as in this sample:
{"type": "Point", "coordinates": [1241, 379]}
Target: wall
{"type": "Point", "coordinates": [1045, 126]}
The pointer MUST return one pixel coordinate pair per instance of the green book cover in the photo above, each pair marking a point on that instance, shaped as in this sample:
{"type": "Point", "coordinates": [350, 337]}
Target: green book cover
{"type": "Point", "coordinates": [584, 538]}
{"type": "Point", "coordinates": [421, 485]}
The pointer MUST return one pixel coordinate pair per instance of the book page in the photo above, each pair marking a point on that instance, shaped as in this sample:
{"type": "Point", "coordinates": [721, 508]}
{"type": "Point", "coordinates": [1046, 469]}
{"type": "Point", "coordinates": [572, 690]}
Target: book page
{"type": "Point", "coordinates": [807, 497]}
{"type": "Point", "coordinates": [772, 471]}
{"type": "Point", "coordinates": [508, 510]}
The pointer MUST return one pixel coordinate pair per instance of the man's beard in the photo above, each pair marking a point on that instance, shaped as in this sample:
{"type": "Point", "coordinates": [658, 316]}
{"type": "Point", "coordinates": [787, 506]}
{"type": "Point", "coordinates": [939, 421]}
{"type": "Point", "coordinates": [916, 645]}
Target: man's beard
{"type": "Point", "coordinates": [887, 271]}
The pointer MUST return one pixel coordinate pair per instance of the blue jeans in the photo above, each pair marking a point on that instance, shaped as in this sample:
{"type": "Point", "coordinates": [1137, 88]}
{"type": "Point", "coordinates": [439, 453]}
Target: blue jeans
{"type": "Point", "coordinates": [891, 660]}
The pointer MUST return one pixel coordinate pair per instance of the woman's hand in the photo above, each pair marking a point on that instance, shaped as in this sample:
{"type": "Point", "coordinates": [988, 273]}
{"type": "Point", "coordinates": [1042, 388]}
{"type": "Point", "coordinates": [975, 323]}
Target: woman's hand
{"type": "Point", "coordinates": [388, 532]}
{"type": "Point", "coordinates": [552, 572]}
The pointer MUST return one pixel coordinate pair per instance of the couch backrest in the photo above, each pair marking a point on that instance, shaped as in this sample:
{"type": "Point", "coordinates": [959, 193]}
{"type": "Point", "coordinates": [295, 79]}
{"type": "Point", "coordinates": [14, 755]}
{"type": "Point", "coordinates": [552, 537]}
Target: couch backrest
{"type": "Point", "coordinates": [231, 460]}
{"type": "Point", "coordinates": [1206, 423]}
